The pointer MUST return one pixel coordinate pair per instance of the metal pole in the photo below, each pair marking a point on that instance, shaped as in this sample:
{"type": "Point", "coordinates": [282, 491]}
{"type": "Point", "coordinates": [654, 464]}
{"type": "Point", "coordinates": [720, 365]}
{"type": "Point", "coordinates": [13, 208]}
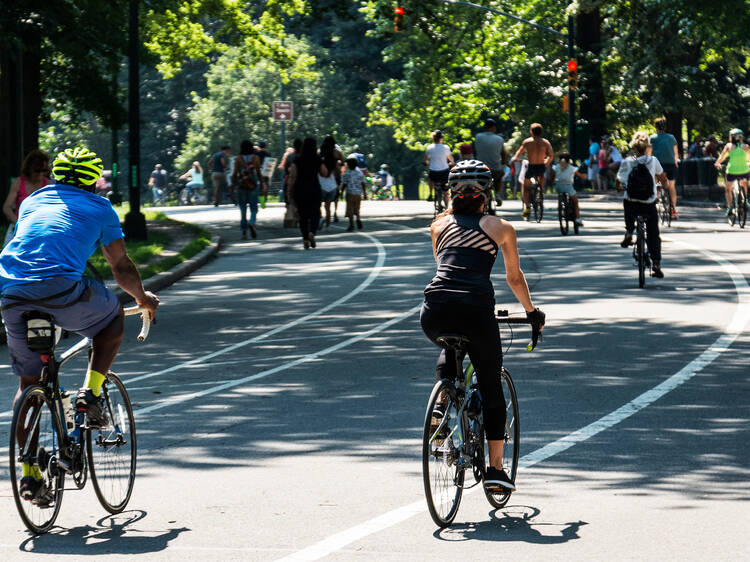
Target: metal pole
{"type": "Point", "coordinates": [115, 197]}
{"type": "Point", "coordinates": [571, 91]}
{"type": "Point", "coordinates": [135, 222]}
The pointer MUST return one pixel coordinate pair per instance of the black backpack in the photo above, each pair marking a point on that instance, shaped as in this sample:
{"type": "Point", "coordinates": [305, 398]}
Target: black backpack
{"type": "Point", "coordinates": [640, 183]}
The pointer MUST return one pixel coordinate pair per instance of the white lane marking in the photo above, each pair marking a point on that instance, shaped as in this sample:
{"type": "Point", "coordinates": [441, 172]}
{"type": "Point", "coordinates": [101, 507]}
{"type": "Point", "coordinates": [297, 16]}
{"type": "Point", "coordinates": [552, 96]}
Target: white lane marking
{"type": "Point", "coordinates": [374, 273]}
{"type": "Point", "coordinates": [310, 357]}
{"type": "Point", "coordinates": [739, 320]}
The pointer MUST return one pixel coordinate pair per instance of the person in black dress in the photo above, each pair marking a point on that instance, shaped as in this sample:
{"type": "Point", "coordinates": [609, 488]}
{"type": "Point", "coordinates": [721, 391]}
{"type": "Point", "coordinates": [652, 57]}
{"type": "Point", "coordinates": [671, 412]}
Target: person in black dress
{"type": "Point", "coordinates": [305, 185]}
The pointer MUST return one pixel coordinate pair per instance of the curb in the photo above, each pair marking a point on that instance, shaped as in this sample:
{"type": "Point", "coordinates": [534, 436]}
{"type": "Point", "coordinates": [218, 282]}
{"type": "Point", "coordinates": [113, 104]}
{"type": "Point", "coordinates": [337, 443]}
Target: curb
{"type": "Point", "coordinates": [681, 202]}
{"type": "Point", "coordinates": [163, 279]}
{"type": "Point", "coordinates": [167, 278]}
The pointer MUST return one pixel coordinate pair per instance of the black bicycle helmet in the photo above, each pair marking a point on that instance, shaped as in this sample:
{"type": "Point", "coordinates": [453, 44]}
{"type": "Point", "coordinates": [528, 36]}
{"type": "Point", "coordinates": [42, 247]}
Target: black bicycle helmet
{"type": "Point", "coordinates": [469, 176]}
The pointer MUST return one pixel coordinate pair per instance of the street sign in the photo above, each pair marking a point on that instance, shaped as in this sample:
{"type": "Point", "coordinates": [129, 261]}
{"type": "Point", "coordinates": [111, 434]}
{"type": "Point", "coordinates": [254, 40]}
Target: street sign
{"type": "Point", "coordinates": [283, 111]}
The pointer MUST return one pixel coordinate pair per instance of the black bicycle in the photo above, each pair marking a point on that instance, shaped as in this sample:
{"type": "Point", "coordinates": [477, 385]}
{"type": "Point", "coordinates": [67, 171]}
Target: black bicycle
{"type": "Point", "coordinates": [566, 213]}
{"type": "Point", "coordinates": [453, 441]}
{"type": "Point", "coordinates": [738, 209]}
{"type": "Point", "coordinates": [664, 206]}
{"type": "Point", "coordinates": [640, 250]}
{"type": "Point", "coordinates": [536, 199]}
{"type": "Point", "coordinates": [440, 189]}
{"type": "Point", "coordinates": [48, 437]}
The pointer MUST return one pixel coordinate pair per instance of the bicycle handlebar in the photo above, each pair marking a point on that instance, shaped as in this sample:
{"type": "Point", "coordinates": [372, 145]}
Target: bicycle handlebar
{"type": "Point", "coordinates": [146, 320]}
{"type": "Point", "coordinates": [536, 328]}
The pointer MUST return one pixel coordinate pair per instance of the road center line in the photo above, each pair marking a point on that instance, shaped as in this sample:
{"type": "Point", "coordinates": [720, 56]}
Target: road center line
{"type": "Point", "coordinates": [731, 332]}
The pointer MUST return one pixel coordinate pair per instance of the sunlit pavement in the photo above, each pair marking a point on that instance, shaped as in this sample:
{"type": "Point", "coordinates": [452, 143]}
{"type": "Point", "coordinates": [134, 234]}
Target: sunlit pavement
{"type": "Point", "coordinates": [312, 446]}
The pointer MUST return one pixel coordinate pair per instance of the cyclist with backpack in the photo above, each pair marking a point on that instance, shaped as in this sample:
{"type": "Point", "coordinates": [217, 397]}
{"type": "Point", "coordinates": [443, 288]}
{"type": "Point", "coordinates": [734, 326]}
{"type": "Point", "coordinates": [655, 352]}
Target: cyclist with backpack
{"type": "Point", "coordinates": [246, 179]}
{"type": "Point", "coordinates": [639, 173]}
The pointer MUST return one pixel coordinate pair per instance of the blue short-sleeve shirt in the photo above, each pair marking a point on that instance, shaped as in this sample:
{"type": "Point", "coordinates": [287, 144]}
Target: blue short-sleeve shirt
{"type": "Point", "coordinates": [59, 227]}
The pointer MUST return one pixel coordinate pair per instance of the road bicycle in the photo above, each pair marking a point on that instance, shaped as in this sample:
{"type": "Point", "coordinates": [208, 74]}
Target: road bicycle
{"type": "Point", "coordinates": [49, 435]}
{"type": "Point", "coordinates": [640, 250]}
{"type": "Point", "coordinates": [664, 206]}
{"type": "Point", "coordinates": [536, 199]}
{"type": "Point", "coordinates": [453, 441]}
{"type": "Point", "coordinates": [738, 208]}
{"type": "Point", "coordinates": [440, 189]}
{"type": "Point", "coordinates": [566, 213]}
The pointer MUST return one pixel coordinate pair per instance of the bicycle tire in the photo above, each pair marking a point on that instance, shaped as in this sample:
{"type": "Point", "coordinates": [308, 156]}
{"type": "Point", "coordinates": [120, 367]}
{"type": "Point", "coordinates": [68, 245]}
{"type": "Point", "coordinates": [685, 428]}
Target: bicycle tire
{"type": "Point", "coordinates": [741, 209]}
{"type": "Point", "coordinates": [640, 248]}
{"type": "Point", "coordinates": [562, 215]}
{"type": "Point", "coordinates": [39, 417]}
{"type": "Point", "coordinates": [539, 203]}
{"type": "Point", "coordinates": [512, 439]}
{"type": "Point", "coordinates": [112, 450]}
{"type": "Point", "coordinates": [732, 216]}
{"type": "Point", "coordinates": [443, 479]}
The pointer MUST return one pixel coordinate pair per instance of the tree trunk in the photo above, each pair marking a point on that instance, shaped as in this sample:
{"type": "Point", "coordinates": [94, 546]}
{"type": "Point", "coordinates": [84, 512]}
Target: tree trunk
{"type": "Point", "coordinates": [674, 126]}
{"type": "Point", "coordinates": [589, 45]}
{"type": "Point", "coordinates": [20, 106]}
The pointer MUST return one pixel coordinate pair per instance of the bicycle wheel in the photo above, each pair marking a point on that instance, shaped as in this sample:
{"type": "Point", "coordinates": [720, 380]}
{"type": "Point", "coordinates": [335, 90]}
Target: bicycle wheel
{"type": "Point", "coordinates": [741, 209]}
{"type": "Point", "coordinates": [443, 478]}
{"type": "Point", "coordinates": [640, 250]}
{"type": "Point", "coordinates": [512, 440]}
{"type": "Point", "coordinates": [732, 216]}
{"type": "Point", "coordinates": [539, 207]}
{"type": "Point", "coordinates": [112, 449]}
{"type": "Point", "coordinates": [34, 438]}
{"type": "Point", "coordinates": [562, 215]}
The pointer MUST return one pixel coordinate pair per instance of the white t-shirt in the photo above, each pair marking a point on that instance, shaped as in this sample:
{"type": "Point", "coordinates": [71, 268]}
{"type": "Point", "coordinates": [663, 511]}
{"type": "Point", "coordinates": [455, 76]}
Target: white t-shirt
{"type": "Point", "coordinates": [564, 177]}
{"type": "Point", "coordinates": [627, 166]}
{"type": "Point", "coordinates": [438, 154]}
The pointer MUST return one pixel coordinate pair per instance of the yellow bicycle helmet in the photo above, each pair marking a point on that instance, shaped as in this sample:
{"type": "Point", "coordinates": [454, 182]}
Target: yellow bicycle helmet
{"type": "Point", "coordinates": [77, 166]}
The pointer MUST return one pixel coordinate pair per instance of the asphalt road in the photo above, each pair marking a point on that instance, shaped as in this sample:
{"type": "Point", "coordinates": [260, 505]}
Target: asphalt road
{"type": "Point", "coordinates": [280, 402]}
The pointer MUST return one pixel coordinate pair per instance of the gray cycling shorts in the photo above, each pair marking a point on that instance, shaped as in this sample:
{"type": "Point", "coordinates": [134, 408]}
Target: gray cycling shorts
{"type": "Point", "coordinates": [86, 310]}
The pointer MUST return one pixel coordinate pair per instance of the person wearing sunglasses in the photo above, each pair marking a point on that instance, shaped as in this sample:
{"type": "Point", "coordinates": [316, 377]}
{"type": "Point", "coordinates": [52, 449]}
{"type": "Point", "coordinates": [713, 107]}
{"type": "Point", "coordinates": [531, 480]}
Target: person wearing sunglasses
{"type": "Point", "coordinates": [460, 298]}
{"type": "Point", "coordinates": [33, 176]}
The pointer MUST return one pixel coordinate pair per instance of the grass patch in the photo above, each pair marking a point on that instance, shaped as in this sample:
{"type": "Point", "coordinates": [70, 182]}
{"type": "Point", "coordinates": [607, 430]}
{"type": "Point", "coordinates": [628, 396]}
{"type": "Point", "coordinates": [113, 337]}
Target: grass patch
{"type": "Point", "coordinates": [143, 251]}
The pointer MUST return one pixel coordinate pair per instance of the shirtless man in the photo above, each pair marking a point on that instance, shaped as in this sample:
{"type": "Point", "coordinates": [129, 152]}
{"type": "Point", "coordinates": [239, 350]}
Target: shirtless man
{"type": "Point", "coordinates": [540, 155]}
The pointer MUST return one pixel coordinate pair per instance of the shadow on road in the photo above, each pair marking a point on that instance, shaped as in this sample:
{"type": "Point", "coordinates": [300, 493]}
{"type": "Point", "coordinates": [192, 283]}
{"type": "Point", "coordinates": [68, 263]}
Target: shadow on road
{"type": "Point", "coordinates": [516, 523]}
{"type": "Point", "coordinates": [111, 535]}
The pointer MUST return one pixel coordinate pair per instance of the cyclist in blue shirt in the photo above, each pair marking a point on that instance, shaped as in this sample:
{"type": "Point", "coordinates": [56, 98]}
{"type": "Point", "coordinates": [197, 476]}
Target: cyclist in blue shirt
{"type": "Point", "coordinates": [41, 269]}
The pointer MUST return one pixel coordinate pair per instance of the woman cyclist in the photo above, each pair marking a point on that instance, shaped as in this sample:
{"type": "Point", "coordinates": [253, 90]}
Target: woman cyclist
{"type": "Point", "coordinates": [460, 297]}
{"type": "Point", "coordinates": [439, 159]}
{"type": "Point", "coordinates": [737, 169]}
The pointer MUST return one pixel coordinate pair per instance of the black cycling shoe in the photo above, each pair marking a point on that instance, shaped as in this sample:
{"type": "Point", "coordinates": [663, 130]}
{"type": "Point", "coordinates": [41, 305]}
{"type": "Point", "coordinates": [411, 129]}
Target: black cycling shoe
{"type": "Point", "coordinates": [94, 408]}
{"type": "Point", "coordinates": [657, 272]}
{"type": "Point", "coordinates": [35, 491]}
{"type": "Point", "coordinates": [627, 241]}
{"type": "Point", "coordinates": [498, 481]}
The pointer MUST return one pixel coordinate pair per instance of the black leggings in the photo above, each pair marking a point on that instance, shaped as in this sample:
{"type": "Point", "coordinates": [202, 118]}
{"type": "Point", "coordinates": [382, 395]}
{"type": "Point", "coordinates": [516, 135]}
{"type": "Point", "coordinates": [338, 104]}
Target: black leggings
{"type": "Point", "coordinates": [309, 217]}
{"type": "Point", "coordinates": [647, 210]}
{"type": "Point", "coordinates": [485, 351]}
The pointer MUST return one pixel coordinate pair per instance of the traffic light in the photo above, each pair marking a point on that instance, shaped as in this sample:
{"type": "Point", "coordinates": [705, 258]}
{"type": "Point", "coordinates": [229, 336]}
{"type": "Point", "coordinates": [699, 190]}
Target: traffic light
{"type": "Point", "coordinates": [398, 19]}
{"type": "Point", "coordinates": [572, 74]}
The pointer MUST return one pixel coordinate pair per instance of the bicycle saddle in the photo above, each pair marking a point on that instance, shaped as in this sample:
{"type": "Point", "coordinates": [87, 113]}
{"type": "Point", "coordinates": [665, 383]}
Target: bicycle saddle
{"type": "Point", "coordinates": [453, 341]}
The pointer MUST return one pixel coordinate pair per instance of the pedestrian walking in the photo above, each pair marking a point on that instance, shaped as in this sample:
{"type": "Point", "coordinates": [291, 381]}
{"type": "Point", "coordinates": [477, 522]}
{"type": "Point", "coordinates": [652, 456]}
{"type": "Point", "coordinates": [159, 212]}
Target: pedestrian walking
{"type": "Point", "coordinates": [33, 176]}
{"type": "Point", "coordinates": [354, 184]}
{"type": "Point", "coordinates": [490, 149]}
{"type": "Point", "coordinates": [305, 189]}
{"type": "Point", "coordinates": [158, 184]}
{"type": "Point", "coordinates": [246, 181]}
{"type": "Point", "coordinates": [329, 187]}
{"type": "Point", "coordinates": [219, 165]}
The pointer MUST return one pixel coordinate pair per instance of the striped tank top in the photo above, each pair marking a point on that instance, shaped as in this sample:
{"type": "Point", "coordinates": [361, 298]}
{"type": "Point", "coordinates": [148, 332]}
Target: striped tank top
{"type": "Point", "coordinates": [465, 256]}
